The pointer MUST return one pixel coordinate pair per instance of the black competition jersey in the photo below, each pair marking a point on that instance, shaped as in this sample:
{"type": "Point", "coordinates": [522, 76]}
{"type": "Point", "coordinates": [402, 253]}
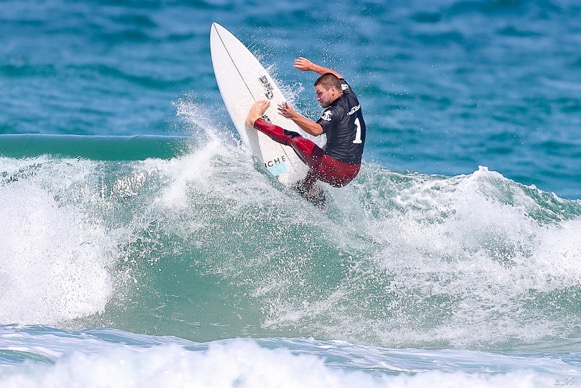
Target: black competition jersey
{"type": "Point", "coordinates": [342, 122]}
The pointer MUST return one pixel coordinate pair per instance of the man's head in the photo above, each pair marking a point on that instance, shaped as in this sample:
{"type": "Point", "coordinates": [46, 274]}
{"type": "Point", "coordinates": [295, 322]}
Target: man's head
{"type": "Point", "coordinates": [327, 89]}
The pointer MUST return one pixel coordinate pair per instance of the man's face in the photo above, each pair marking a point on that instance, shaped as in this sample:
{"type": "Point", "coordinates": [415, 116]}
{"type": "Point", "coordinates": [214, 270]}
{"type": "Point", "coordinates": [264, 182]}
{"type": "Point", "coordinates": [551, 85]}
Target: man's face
{"type": "Point", "coordinates": [325, 97]}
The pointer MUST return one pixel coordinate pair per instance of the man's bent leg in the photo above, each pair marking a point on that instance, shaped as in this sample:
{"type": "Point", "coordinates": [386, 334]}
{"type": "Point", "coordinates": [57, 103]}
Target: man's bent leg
{"type": "Point", "coordinates": [335, 172]}
{"type": "Point", "coordinates": [322, 167]}
{"type": "Point", "coordinates": [310, 153]}
{"type": "Point", "coordinates": [275, 132]}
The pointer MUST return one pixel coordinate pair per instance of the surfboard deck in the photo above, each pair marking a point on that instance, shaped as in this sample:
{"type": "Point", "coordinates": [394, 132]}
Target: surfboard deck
{"type": "Point", "coordinates": [242, 80]}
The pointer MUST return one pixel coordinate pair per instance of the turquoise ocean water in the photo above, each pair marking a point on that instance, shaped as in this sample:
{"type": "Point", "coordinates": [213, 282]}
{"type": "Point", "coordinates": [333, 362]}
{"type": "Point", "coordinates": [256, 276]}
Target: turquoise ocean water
{"type": "Point", "coordinates": [142, 245]}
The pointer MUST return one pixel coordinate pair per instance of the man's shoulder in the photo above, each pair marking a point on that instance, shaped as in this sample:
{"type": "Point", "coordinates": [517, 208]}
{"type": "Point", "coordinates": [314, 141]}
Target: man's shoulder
{"type": "Point", "coordinates": [349, 95]}
{"type": "Point", "coordinates": [345, 86]}
{"type": "Point", "coordinates": [340, 106]}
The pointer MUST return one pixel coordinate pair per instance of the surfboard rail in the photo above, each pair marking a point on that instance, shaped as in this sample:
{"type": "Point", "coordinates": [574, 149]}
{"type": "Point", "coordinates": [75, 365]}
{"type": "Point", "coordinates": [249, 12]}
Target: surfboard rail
{"type": "Point", "coordinates": [242, 80]}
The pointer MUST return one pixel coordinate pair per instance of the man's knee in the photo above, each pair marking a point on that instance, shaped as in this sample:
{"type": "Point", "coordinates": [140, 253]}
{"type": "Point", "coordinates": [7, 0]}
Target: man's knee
{"type": "Point", "coordinates": [291, 134]}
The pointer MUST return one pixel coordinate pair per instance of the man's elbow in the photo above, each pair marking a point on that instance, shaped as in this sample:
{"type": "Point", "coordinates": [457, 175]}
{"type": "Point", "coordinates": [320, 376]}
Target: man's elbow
{"type": "Point", "coordinates": [317, 130]}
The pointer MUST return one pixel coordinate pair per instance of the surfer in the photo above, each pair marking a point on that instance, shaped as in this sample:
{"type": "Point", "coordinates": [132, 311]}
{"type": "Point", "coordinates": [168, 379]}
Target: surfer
{"type": "Point", "coordinates": [339, 161]}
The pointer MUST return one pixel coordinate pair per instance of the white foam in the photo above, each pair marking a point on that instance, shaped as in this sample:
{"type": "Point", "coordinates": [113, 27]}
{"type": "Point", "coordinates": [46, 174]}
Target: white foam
{"type": "Point", "coordinates": [475, 246]}
{"type": "Point", "coordinates": [457, 260]}
{"type": "Point", "coordinates": [54, 264]}
{"type": "Point", "coordinates": [235, 363]}
{"type": "Point", "coordinates": [198, 167]}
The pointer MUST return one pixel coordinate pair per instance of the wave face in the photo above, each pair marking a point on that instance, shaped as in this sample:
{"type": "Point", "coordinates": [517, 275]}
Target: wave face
{"type": "Point", "coordinates": [205, 245]}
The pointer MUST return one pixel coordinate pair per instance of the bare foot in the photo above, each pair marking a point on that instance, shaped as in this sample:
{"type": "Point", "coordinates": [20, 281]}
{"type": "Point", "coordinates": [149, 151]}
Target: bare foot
{"type": "Point", "coordinates": [256, 111]}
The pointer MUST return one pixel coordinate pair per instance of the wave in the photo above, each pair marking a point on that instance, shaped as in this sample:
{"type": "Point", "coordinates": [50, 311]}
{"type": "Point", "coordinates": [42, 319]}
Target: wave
{"type": "Point", "coordinates": [204, 244]}
{"type": "Point", "coordinates": [137, 147]}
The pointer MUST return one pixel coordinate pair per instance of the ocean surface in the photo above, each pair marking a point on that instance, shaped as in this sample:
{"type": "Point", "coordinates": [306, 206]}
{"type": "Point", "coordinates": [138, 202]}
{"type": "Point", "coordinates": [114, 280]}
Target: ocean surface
{"type": "Point", "coordinates": [141, 244]}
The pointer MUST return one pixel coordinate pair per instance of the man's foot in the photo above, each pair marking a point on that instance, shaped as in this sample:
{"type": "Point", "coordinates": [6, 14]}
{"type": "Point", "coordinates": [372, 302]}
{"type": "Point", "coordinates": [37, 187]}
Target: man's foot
{"type": "Point", "coordinates": [317, 197]}
{"type": "Point", "coordinates": [256, 111]}
{"type": "Point", "coordinates": [300, 188]}
{"type": "Point", "coordinates": [314, 194]}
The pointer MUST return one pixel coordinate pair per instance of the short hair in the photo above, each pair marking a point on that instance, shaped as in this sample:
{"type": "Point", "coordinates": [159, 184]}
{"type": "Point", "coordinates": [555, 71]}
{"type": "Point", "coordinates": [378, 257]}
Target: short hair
{"type": "Point", "coordinates": [327, 80]}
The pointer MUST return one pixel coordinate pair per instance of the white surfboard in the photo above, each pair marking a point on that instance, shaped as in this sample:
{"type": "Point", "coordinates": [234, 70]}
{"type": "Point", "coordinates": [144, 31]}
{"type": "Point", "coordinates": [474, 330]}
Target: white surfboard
{"type": "Point", "coordinates": [242, 80]}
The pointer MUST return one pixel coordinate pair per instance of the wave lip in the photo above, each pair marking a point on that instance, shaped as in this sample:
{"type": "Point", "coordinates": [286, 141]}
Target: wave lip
{"type": "Point", "coordinates": [138, 147]}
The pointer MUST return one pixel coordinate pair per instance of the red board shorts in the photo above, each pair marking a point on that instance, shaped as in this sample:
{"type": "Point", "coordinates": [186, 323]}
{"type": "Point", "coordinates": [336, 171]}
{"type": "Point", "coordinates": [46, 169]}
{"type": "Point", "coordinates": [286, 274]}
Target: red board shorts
{"type": "Point", "coordinates": [322, 166]}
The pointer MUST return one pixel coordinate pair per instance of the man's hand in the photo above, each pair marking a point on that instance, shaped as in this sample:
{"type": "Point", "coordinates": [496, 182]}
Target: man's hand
{"type": "Point", "coordinates": [286, 110]}
{"type": "Point", "coordinates": [306, 125]}
{"type": "Point", "coordinates": [303, 64]}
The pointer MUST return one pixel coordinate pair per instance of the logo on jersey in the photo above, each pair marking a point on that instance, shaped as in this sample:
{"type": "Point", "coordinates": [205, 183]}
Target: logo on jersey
{"type": "Point", "coordinates": [327, 115]}
{"type": "Point", "coordinates": [267, 87]}
{"type": "Point", "coordinates": [354, 109]}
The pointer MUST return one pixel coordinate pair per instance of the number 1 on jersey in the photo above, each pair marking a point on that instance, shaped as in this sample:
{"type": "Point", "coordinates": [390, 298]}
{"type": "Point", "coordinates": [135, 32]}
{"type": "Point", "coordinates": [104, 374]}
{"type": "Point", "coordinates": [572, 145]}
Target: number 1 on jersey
{"type": "Point", "coordinates": [358, 132]}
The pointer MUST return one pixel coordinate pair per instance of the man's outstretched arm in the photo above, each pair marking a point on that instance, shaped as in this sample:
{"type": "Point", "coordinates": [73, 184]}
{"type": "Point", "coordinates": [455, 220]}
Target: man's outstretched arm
{"type": "Point", "coordinates": [309, 126]}
{"type": "Point", "coordinates": [304, 64]}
